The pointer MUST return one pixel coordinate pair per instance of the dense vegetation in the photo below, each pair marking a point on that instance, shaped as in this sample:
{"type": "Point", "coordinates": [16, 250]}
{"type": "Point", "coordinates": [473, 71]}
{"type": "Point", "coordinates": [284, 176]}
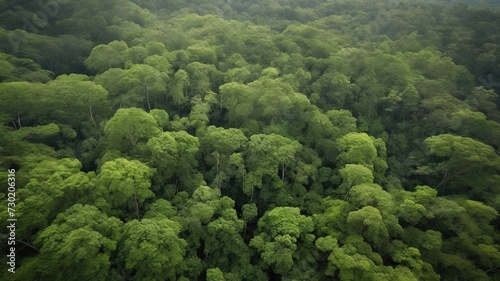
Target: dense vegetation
{"type": "Point", "coordinates": [251, 140]}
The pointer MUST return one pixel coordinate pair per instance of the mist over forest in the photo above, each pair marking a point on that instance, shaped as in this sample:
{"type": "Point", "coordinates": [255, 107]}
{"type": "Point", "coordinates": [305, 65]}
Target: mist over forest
{"type": "Point", "coordinates": [237, 140]}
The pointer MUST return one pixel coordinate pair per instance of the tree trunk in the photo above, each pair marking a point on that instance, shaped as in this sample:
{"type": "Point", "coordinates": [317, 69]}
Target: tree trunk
{"type": "Point", "coordinates": [147, 96]}
{"type": "Point", "coordinates": [283, 168]}
{"type": "Point", "coordinates": [218, 171]}
{"type": "Point", "coordinates": [348, 191]}
{"type": "Point", "coordinates": [92, 116]}
{"type": "Point", "coordinates": [19, 120]}
{"type": "Point", "coordinates": [134, 198]}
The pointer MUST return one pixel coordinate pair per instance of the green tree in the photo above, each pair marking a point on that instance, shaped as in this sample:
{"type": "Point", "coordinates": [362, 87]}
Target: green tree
{"type": "Point", "coordinates": [104, 57]}
{"type": "Point", "coordinates": [80, 242]}
{"type": "Point", "coordinates": [236, 97]}
{"type": "Point", "coordinates": [202, 78]}
{"type": "Point", "coordinates": [483, 100]}
{"type": "Point", "coordinates": [269, 155]}
{"type": "Point", "coordinates": [22, 69]}
{"type": "Point", "coordinates": [141, 85]}
{"type": "Point", "coordinates": [123, 186]}
{"type": "Point", "coordinates": [465, 165]}
{"type": "Point", "coordinates": [474, 124]}
{"type": "Point", "coordinates": [215, 274]}
{"type": "Point", "coordinates": [249, 212]}
{"type": "Point", "coordinates": [19, 102]}
{"type": "Point", "coordinates": [359, 148]}
{"type": "Point", "coordinates": [128, 127]}
{"type": "Point", "coordinates": [354, 174]}
{"type": "Point", "coordinates": [218, 145]}
{"type": "Point", "coordinates": [152, 249]}
{"type": "Point", "coordinates": [87, 100]}
{"type": "Point", "coordinates": [352, 261]}
{"type": "Point", "coordinates": [280, 232]}
{"type": "Point", "coordinates": [202, 54]}
{"type": "Point", "coordinates": [356, 148]}
{"type": "Point", "coordinates": [146, 81]}
{"type": "Point", "coordinates": [213, 229]}
{"type": "Point", "coordinates": [179, 89]}
{"type": "Point", "coordinates": [224, 245]}
{"type": "Point", "coordinates": [174, 156]}
{"type": "Point", "coordinates": [159, 63]}
{"type": "Point", "coordinates": [239, 75]}
{"type": "Point", "coordinates": [136, 54]}
{"type": "Point", "coordinates": [161, 117]}
{"type": "Point", "coordinates": [369, 223]}
{"type": "Point", "coordinates": [52, 186]}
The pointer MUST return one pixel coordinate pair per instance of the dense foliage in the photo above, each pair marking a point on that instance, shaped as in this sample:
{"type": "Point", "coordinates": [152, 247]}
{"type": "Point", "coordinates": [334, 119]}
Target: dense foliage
{"type": "Point", "coordinates": [251, 140]}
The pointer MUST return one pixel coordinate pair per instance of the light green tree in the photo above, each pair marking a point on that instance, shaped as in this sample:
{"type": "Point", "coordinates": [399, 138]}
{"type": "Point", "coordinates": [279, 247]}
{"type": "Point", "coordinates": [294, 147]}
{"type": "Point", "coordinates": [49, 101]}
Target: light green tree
{"type": "Point", "coordinates": [152, 249]}
{"type": "Point", "coordinates": [123, 186]}
{"type": "Point", "coordinates": [218, 145]}
{"type": "Point", "coordinates": [80, 242]}
{"type": "Point", "coordinates": [280, 231]}
{"type": "Point", "coordinates": [128, 127]}
{"type": "Point", "coordinates": [104, 57]}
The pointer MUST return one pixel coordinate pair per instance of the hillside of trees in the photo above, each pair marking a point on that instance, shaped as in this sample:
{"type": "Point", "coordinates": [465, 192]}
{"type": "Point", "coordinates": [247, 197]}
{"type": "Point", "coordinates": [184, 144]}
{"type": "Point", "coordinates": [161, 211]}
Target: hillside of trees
{"type": "Point", "coordinates": [476, 3]}
{"type": "Point", "coordinates": [250, 140]}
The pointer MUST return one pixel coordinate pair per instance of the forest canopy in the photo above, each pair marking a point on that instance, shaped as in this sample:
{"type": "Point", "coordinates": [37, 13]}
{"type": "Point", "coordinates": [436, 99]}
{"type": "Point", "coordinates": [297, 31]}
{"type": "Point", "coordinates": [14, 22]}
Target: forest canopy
{"type": "Point", "coordinates": [250, 140]}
